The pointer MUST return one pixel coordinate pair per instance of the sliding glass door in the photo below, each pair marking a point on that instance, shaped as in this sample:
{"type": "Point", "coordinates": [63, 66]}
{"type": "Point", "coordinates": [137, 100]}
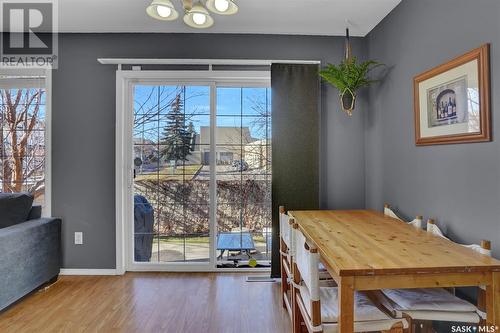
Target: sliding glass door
{"type": "Point", "coordinates": [172, 173]}
{"type": "Point", "coordinates": [243, 165]}
{"type": "Point", "coordinates": [201, 174]}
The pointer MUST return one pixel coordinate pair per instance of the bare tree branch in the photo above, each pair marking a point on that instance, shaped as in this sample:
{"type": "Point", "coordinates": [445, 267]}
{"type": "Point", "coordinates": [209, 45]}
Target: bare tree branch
{"type": "Point", "coordinates": [22, 147]}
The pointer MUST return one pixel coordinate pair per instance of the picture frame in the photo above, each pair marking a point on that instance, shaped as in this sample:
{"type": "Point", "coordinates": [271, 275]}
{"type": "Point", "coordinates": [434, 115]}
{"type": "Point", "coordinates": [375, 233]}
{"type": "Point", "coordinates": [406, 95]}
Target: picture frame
{"type": "Point", "coordinates": [452, 101]}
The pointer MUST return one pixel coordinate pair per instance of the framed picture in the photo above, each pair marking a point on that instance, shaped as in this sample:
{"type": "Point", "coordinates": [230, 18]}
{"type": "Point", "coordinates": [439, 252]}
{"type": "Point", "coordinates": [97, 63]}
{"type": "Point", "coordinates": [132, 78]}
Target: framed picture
{"type": "Point", "coordinates": [452, 101]}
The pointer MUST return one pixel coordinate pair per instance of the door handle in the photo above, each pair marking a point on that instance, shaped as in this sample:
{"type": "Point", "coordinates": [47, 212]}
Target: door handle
{"type": "Point", "coordinates": [131, 176]}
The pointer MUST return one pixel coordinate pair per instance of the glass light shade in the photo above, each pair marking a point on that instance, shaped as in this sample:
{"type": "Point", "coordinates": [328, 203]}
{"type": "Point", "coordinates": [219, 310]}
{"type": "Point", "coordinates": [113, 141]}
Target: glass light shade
{"type": "Point", "coordinates": [162, 10]}
{"type": "Point", "coordinates": [218, 6]}
{"type": "Point", "coordinates": [198, 17]}
{"type": "Point", "coordinates": [221, 5]}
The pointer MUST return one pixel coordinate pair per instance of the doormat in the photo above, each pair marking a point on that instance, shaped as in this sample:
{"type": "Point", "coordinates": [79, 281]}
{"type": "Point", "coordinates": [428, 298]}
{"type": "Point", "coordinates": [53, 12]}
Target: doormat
{"type": "Point", "coordinates": [261, 278]}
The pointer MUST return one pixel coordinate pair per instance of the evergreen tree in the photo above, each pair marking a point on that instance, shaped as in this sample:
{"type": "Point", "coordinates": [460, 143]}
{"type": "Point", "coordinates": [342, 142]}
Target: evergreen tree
{"type": "Point", "coordinates": [192, 135]}
{"type": "Point", "coordinates": [176, 139]}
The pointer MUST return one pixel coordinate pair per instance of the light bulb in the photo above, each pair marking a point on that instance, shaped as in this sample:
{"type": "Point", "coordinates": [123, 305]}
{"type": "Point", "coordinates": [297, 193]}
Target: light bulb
{"type": "Point", "coordinates": [199, 18]}
{"type": "Point", "coordinates": [163, 11]}
{"type": "Point", "coordinates": [221, 5]}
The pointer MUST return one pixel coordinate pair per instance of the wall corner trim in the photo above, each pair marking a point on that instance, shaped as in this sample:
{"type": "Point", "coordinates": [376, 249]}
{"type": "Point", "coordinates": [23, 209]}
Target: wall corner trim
{"type": "Point", "coordinates": [85, 271]}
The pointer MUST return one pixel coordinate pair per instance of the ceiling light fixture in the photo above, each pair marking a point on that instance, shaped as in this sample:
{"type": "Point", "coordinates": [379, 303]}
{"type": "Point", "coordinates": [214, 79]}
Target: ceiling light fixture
{"type": "Point", "coordinates": [222, 7]}
{"type": "Point", "coordinates": [196, 16]}
{"type": "Point", "coordinates": [162, 10]}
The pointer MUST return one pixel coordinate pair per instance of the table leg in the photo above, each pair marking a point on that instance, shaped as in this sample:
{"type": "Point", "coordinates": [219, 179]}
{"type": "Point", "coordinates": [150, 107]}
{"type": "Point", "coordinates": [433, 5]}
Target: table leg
{"type": "Point", "coordinates": [346, 304]}
{"type": "Point", "coordinates": [493, 300]}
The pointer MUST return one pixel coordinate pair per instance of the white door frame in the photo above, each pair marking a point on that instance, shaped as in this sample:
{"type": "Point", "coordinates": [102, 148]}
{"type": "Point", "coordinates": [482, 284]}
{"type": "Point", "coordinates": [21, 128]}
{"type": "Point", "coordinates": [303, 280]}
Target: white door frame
{"type": "Point", "coordinates": [125, 81]}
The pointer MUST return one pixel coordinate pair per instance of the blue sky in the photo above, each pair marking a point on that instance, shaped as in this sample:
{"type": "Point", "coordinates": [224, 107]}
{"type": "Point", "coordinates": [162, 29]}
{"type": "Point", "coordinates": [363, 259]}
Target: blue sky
{"type": "Point", "coordinates": [232, 103]}
{"type": "Point", "coordinates": [41, 111]}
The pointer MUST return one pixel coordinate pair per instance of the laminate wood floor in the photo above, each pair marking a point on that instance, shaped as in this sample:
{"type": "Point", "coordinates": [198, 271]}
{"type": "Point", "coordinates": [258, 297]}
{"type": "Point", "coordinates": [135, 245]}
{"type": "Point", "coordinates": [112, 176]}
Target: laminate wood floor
{"type": "Point", "coordinates": [151, 302]}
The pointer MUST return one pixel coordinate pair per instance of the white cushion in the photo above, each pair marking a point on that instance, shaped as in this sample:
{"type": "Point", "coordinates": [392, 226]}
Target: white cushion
{"type": "Point", "coordinates": [364, 310]}
{"type": "Point", "coordinates": [323, 273]}
{"type": "Point", "coordinates": [367, 326]}
{"type": "Point", "coordinates": [431, 299]}
{"type": "Point", "coordinates": [285, 229]}
{"type": "Point", "coordinates": [321, 267]}
{"type": "Point", "coordinates": [286, 239]}
{"type": "Point", "coordinates": [462, 317]}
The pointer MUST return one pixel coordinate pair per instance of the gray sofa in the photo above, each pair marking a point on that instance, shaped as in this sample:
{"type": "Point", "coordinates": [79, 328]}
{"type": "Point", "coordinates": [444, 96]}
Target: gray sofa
{"type": "Point", "coordinates": [30, 247]}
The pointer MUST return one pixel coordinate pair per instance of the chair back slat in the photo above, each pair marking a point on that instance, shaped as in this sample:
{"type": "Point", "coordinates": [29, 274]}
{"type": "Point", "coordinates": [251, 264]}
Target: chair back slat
{"type": "Point", "coordinates": [285, 230]}
{"type": "Point", "coordinates": [293, 241]}
{"type": "Point", "coordinates": [434, 229]}
{"type": "Point", "coordinates": [484, 248]}
{"type": "Point", "coordinates": [389, 212]}
{"type": "Point", "coordinates": [416, 222]}
{"type": "Point", "coordinates": [307, 261]}
{"type": "Point", "coordinates": [478, 248]}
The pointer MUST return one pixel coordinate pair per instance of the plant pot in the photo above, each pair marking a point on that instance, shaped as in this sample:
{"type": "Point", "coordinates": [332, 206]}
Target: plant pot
{"type": "Point", "coordinates": [348, 101]}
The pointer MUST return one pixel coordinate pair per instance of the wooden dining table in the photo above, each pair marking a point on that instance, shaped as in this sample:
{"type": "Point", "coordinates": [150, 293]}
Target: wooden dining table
{"type": "Point", "coordinates": [366, 250]}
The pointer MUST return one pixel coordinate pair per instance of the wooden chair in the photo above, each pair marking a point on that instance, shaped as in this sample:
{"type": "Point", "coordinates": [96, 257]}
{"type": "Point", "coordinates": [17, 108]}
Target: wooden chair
{"type": "Point", "coordinates": [424, 305]}
{"type": "Point", "coordinates": [287, 248]}
{"type": "Point", "coordinates": [416, 222]}
{"type": "Point", "coordinates": [483, 248]}
{"type": "Point", "coordinates": [316, 305]}
{"type": "Point", "coordinates": [286, 253]}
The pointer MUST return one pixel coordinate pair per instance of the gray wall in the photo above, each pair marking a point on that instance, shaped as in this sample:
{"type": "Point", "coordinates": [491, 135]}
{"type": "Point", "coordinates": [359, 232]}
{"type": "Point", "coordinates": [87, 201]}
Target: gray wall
{"type": "Point", "coordinates": [84, 126]}
{"type": "Point", "coordinates": [457, 184]}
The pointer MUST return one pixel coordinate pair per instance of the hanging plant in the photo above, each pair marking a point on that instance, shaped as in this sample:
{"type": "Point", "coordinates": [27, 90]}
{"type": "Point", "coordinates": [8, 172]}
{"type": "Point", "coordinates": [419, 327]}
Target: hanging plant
{"type": "Point", "coordinates": [349, 76]}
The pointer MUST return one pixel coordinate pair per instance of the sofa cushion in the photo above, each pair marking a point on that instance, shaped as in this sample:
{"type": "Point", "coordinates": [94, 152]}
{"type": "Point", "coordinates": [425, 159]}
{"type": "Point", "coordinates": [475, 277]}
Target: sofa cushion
{"type": "Point", "coordinates": [14, 208]}
{"type": "Point", "coordinates": [35, 212]}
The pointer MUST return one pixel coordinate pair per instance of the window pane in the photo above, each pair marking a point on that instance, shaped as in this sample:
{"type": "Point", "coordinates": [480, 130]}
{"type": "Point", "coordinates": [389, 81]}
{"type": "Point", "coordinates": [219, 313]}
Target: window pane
{"type": "Point", "coordinates": [228, 101]}
{"type": "Point", "coordinates": [258, 127]}
{"type": "Point", "coordinates": [22, 143]}
{"type": "Point", "coordinates": [171, 161]}
{"type": "Point", "coordinates": [171, 248]}
{"type": "Point", "coordinates": [196, 101]}
{"type": "Point", "coordinates": [243, 172]}
{"type": "Point", "coordinates": [254, 102]}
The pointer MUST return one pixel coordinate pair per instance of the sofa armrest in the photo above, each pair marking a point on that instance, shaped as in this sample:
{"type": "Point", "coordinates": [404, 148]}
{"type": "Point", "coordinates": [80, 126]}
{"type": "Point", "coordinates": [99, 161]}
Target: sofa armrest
{"type": "Point", "coordinates": [30, 255]}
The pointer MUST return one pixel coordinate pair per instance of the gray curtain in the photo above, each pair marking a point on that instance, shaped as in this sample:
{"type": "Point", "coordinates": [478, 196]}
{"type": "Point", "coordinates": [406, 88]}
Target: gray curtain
{"type": "Point", "coordinates": [295, 143]}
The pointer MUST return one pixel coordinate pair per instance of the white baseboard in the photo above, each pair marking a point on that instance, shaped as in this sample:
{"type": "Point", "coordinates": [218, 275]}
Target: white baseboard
{"type": "Point", "coordinates": [84, 271]}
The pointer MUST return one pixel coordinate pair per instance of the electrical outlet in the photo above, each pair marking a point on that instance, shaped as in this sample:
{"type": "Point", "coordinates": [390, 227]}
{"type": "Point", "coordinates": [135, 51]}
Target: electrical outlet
{"type": "Point", "coordinates": [78, 238]}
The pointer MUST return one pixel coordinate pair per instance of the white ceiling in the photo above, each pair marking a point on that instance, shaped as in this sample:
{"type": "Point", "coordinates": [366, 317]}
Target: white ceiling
{"type": "Point", "coordinates": [304, 17]}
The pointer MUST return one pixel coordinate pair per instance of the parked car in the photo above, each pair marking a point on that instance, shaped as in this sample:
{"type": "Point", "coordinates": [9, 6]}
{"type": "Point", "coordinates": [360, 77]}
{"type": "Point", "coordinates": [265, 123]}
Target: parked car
{"type": "Point", "coordinates": [240, 165]}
